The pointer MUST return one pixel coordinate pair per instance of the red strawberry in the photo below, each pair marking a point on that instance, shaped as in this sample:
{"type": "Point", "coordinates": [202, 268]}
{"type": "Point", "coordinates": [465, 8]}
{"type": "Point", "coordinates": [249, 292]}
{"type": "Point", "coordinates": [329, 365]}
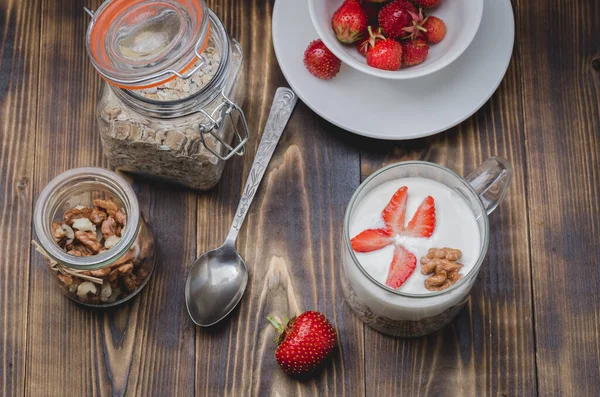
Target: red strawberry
{"type": "Point", "coordinates": [435, 29]}
{"type": "Point", "coordinates": [423, 222]}
{"type": "Point", "coordinates": [363, 46]}
{"type": "Point", "coordinates": [320, 61]}
{"type": "Point", "coordinates": [304, 342]}
{"type": "Point", "coordinates": [385, 54]}
{"type": "Point", "coordinates": [415, 29]}
{"type": "Point", "coordinates": [349, 22]}
{"type": "Point", "coordinates": [394, 212]}
{"type": "Point", "coordinates": [402, 266]}
{"type": "Point", "coordinates": [374, 1]}
{"type": "Point", "coordinates": [394, 17]}
{"type": "Point", "coordinates": [414, 52]}
{"type": "Point", "coordinates": [427, 3]}
{"type": "Point", "coordinates": [372, 11]}
{"type": "Point", "coordinates": [371, 240]}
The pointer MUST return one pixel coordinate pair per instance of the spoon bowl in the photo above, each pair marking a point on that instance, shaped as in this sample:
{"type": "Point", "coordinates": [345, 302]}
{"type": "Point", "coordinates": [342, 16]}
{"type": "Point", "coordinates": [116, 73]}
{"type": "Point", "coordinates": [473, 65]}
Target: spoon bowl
{"type": "Point", "coordinates": [215, 285]}
{"type": "Point", "coordinates": [217, 280]}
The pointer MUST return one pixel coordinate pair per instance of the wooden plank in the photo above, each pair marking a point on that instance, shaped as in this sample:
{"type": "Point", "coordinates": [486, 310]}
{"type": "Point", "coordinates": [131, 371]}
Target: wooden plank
{"type": "Point", "coordinates": [19, 68]}
{"type": "Point", "coordinates": [489, 348]}
{"type": "Point", "coordinates": [290, 239]}
{"type": "Point", "coordinates": [561, 90]}
{"type": "Point", "coordinates": [146, 346]}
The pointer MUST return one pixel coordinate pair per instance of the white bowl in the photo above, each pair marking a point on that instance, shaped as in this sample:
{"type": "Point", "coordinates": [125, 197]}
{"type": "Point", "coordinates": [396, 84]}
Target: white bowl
{"type": "Point", "coordinates": [462, 19]}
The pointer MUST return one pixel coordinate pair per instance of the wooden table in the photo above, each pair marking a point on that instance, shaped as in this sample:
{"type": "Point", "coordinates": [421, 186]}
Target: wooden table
{"type": "Point", "coordinates": [532, 325]}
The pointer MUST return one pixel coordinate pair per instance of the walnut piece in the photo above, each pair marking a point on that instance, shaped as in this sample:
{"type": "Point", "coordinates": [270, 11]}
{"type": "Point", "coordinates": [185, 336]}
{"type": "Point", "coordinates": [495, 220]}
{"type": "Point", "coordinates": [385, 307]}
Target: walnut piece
{"type": "Point", "coordinates": [97, 216]}
{"type": "Point", "coordinates": [442, 264]}
{"type": "Point", "coordinates": [109, 228]}
{"type": "Point", "coordinates": [130, 280]}
{"type": "Point", "coordinates": [66, 279]}
{"type": "Point", "coordinates": [87, 231]}
{"type": "Point", "coordinates": [76, 213]}
{"type": "Point", "coordinates": [89, 240]}
{"type": "Point", "coordinates": [57, 232]}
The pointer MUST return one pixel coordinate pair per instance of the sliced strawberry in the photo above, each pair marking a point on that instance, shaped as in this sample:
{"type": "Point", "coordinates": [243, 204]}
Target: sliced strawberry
{"type": "Point", "coordinates": [394, 213]}
{"type": "Point", "coordinates": [402, 266]}
{"type": "Point", "coordinates": [371, 240]}
{"type": "Point", "coordinates": [423, 222]}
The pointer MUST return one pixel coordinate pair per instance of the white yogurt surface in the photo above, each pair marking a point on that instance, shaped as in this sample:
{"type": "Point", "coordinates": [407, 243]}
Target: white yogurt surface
{"type": "Point", "coordinates": [455, 227]}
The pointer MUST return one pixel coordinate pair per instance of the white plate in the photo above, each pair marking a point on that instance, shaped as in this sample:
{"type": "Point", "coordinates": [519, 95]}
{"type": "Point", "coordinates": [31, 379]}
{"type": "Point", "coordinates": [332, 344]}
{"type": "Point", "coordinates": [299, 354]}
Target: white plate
{"type": "Point", "coordinates": [397, 109]}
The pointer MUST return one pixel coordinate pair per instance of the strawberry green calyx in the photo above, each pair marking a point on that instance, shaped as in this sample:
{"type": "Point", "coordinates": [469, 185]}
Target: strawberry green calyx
{"type": "Point", "coordinates": [416, 29]}
{"type": "Point", "coordinates": [282, 327]}
{"type": "Point", "coordinates": [373, 37]}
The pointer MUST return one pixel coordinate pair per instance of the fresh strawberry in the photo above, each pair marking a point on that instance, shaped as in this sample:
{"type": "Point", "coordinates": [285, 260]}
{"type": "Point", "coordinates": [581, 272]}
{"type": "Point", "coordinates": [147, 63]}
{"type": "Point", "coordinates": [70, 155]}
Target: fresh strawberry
{"type": "Point", "coordinates": [394, 212]}
{"type": "Point", "coordinates": [304, 342]}
{"type": "Point", "coordinates": [423, 222]}
{"type": "Point", "coordinates": [371, 240]}
{"type": "Point", "coordinates": [394, 17]}
{"type": "Point", "coordinates": [385, 54]}
{"type": "Point", "coordinates": [372, 10]}
{"type": "Point", "coordinates": [349, 22]}
{"type": "Point", "coordinates": [402, 266]}
{"type": "Point", "coordinates": [320, 61]}
{"type": "Point", "coordinates": [427, 3]}
{"type": "Point", "coordinates": [435, 29]}
{"type": "Point", "coordinates": [363, 46]}
{"type": "Point", "coordinates": [374, 1]}
{"type": "Point", "coordinates": [414, 52]}
{"type": "Point", "coordinates": [415, 29]}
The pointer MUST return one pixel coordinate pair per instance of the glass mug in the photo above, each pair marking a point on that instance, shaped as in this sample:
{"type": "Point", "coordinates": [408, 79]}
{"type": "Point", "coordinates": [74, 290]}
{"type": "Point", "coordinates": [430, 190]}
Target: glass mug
{"type": "Point", "coordinates": [404, 314]}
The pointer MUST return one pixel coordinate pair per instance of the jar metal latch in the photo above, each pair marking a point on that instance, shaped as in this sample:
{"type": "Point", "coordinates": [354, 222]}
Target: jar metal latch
{"type": "Point", "coordinates": [218, 116]}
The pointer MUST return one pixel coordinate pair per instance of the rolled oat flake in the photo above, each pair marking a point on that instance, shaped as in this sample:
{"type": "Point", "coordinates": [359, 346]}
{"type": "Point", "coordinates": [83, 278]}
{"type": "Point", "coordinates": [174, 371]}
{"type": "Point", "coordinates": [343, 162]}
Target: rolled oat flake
{"type": "Point", "coordinates": [173, 85]}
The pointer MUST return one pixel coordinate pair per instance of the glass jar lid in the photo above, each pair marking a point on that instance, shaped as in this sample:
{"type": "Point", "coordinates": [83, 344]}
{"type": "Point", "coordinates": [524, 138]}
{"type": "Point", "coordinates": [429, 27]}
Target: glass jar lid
{"type": "Point", "coordinates": [137, 44]}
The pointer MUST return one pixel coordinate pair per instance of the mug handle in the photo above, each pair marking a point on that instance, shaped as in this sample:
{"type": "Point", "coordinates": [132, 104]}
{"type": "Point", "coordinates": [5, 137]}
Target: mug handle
{"type": "Point", "coordinates": [491, 180]}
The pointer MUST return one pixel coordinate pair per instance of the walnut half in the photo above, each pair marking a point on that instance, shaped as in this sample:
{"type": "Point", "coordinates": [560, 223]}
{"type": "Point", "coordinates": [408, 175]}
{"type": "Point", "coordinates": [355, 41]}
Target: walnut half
{"type": "Point", "coordinates": [442, 265]}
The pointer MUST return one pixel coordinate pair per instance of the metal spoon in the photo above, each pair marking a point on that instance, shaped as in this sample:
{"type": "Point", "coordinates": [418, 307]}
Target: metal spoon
{"type": "Point", "coordinates": [218, 278]}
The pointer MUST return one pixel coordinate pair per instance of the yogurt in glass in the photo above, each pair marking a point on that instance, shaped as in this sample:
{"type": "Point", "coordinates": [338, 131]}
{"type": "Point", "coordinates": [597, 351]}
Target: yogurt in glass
{"type": "Point", "coordinates": [461, 222]}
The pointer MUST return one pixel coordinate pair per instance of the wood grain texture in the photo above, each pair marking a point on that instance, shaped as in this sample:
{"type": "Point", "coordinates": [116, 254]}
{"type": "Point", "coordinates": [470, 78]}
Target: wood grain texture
{"type": "Point", "coordinates": [562, 135]}
{"type": "Point", "coordinates": [290, 238]}
{"type": "Point", "coordinates": [19, 67]}
{"type": "Point", "coordinates": [532, 326]}
{"type": "Point", "coordinates": [489, 349]}
{"type": "Point", "coordinates": [146, 346]}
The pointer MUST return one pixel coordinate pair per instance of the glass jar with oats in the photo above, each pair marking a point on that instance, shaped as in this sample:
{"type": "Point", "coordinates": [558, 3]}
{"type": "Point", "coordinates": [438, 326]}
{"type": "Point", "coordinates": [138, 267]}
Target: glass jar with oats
{"type": "Point", "coordinates": [93, 236]}
{"type": "Point", "coordinates": [170, 104]}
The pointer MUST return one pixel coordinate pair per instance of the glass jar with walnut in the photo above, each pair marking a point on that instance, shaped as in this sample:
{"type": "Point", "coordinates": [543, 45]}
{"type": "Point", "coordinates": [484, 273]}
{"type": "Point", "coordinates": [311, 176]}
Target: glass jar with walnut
{"type": "Point", "coordinates": [93, 236]}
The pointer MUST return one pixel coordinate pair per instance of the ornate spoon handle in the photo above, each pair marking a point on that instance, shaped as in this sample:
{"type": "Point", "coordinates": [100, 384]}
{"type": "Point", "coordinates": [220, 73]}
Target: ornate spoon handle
{"type": "Point", "coordinates": [283, 105]}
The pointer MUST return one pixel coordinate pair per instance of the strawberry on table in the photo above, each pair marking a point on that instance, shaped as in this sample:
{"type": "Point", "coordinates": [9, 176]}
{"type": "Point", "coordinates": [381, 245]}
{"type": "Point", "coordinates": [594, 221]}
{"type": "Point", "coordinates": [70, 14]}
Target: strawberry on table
{"type": "Point", "coordinates": [423, 222]}
{"type": "Point", "coordinates": [414, 52]}
{"type": "Point", "coordinates": [304, 342]}
{"type": "Point", "coordinates": [371, 240]}
{"type": "Point", "coordinates": [396, 16]}
{"type": "Point", "coordinates": [349, 22]}
{"type": "Point", "coordinates": [434, 29]}
{"type": "Point", "coordinates": [402, 266]}
{"type": "Point", "coordinates": [320, 61]}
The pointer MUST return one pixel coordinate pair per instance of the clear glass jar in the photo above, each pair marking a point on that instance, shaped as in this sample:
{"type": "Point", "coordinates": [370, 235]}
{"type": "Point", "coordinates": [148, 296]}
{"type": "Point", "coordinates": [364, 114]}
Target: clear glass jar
{"type": "Point", "coordinates": [169, 113]}
{"type": "Point", "coordinates": [113, 275]}
{"type": "Point", "coordinates": [404, 314]}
